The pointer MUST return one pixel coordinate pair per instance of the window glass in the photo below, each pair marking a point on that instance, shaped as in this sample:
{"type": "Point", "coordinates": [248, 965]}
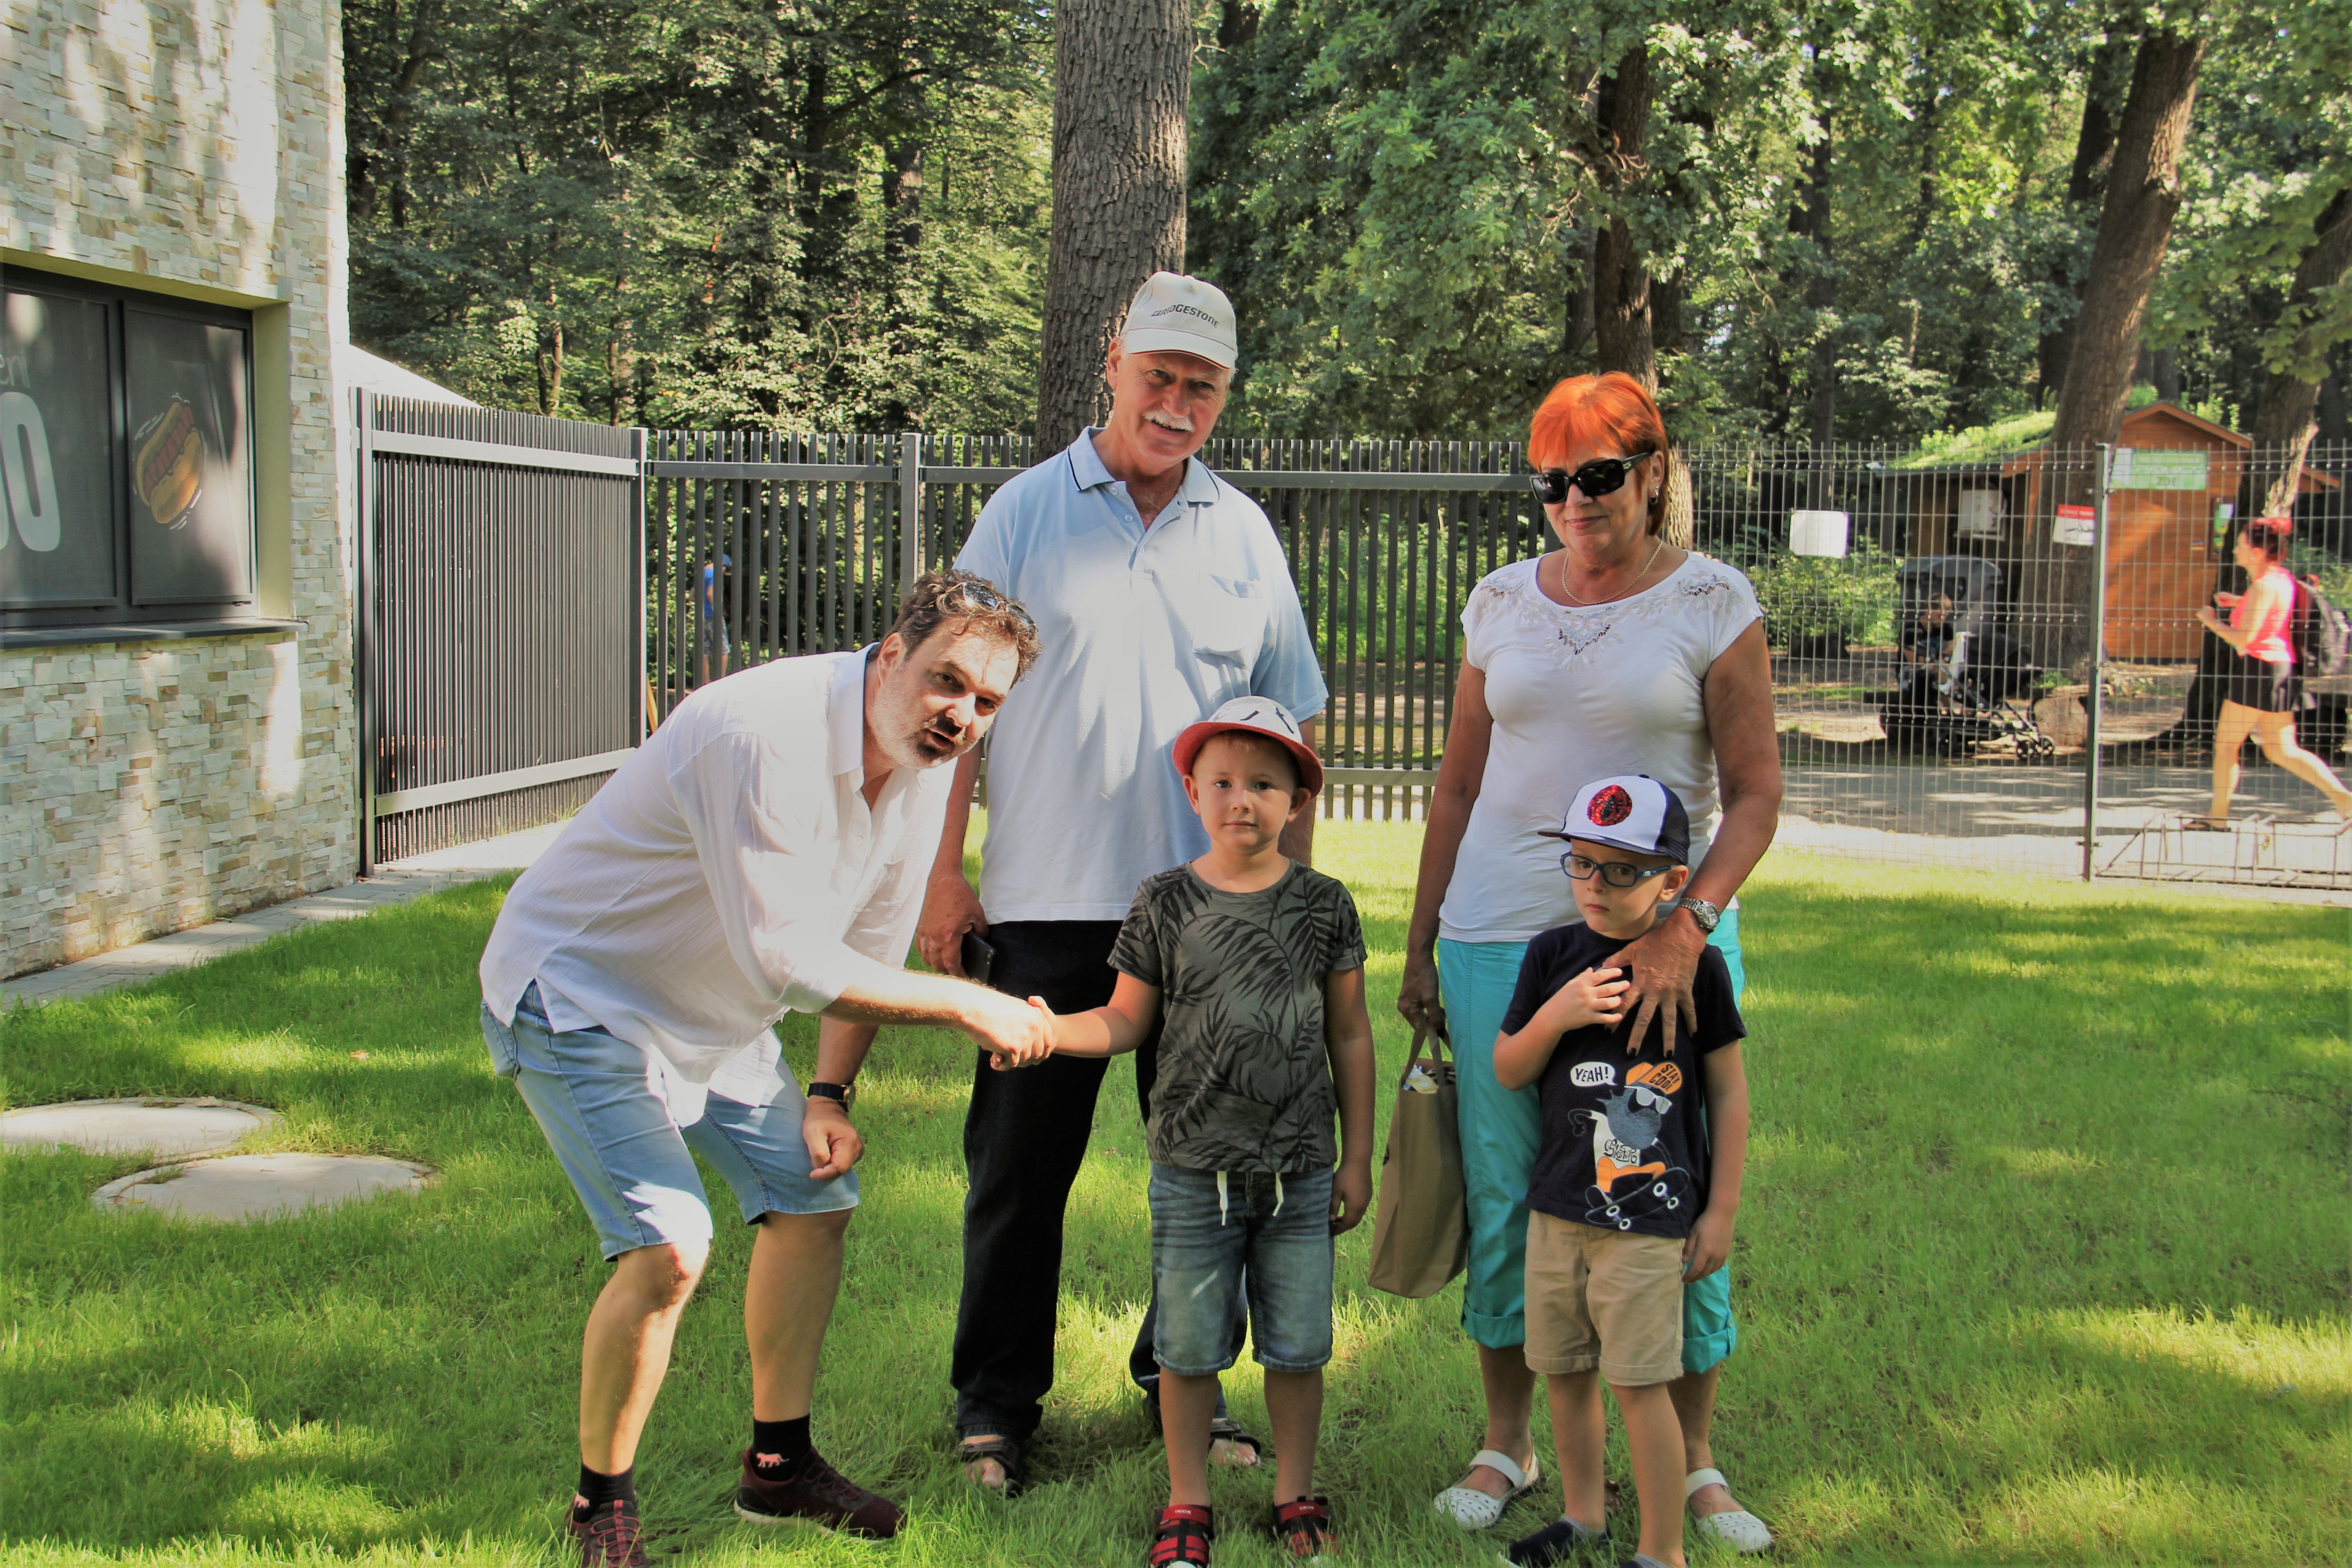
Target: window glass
{"type": "Point", "coordinates": [56, 453]}
{"type": "Point", "coordinates": [190, 460]}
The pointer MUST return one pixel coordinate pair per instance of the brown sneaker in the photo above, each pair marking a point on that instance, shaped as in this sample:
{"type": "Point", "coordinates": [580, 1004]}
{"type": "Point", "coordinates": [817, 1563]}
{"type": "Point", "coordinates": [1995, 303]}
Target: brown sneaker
{"type": "Point", "coordinates": [610, 1537]}
{"type": "Point", "coordinates": [820, 1496]}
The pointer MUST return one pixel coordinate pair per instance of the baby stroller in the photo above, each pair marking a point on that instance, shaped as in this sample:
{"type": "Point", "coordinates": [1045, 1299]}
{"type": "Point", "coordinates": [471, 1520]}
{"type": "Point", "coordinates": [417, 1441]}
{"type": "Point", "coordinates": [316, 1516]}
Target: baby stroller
{"type": "Point", "coordinates": [1972, 684]}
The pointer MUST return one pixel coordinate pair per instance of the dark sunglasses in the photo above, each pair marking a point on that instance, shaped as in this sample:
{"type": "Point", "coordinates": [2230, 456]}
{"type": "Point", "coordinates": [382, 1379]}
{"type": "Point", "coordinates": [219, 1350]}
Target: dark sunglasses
{"type": "Point", "coordinates": [1601, 477]}
{"type": "Point", "coordinates": [975, 597]}
{"type": "Point", "coordinates": [1616, 873]}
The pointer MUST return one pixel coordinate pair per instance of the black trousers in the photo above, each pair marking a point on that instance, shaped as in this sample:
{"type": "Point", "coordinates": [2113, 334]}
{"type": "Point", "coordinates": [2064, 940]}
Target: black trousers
{"type": "Point", "coordinates": [1024, 1140]}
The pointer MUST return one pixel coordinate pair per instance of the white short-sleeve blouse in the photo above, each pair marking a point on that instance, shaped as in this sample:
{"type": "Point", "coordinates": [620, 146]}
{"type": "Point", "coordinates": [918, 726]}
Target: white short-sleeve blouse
{"type": "Point", "coordinates": [1578, 695]}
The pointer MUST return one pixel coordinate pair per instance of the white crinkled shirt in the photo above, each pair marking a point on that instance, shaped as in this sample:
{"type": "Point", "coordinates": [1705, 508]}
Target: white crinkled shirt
{"type": "Point", "coordinates": [1579, 695]}
{"type": "Point", "coordinates": [729, 873]}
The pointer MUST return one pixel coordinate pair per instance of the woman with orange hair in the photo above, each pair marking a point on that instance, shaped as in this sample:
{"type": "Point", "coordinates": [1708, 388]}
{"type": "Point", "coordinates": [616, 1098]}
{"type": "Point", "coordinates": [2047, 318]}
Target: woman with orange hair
{"type": "Point", "coordinates": [2265, 688]}
{"type": "Point", "coordinates": [1616, 653]}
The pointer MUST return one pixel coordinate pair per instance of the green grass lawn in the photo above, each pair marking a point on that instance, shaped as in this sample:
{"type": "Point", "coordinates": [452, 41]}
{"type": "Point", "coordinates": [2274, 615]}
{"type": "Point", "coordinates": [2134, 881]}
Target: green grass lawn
{"type": "Point", "coordinates": [2043, 1259]}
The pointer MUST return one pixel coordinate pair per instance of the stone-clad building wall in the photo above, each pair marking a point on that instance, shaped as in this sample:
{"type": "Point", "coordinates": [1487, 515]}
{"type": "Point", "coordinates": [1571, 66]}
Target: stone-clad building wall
{"type": "Point", "coordinates": [193, 148]}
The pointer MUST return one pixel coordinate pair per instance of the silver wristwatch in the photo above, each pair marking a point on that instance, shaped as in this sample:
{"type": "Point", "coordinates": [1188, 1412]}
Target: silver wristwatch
{"type": "Point", "coordinates": [1706, 914]}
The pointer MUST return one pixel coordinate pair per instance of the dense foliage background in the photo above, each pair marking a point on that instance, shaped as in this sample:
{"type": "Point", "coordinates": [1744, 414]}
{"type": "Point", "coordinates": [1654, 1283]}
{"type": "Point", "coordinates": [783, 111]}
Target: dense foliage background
{"type": "Point", "coordinates": [1862, 218]}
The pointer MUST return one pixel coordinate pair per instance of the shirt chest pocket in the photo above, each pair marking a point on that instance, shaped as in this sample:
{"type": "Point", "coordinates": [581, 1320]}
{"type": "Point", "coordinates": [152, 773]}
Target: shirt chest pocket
{"type": "Point", "coordinates": [1224, 617]}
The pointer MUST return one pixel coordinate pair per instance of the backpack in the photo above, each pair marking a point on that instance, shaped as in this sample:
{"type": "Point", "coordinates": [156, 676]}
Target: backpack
{"type": "Point", "coordinates": [2320, 631]}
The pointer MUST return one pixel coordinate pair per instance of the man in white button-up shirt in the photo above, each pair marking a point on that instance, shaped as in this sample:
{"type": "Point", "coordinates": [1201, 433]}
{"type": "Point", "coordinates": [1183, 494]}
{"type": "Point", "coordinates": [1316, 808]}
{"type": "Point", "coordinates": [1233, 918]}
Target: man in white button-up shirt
{"type": "Point", "coordinates": [1160, 593]}
{"type": "Point", "coordinates": [763, 852]}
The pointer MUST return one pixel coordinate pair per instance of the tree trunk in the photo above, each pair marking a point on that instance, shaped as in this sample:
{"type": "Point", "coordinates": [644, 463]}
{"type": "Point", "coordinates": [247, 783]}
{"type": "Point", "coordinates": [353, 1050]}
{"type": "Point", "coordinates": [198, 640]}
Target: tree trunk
{"type": "Point", "coordinates": [1123, 81]}
{"type": "Point", "coordinates": [902, 244]}
{"type": "Point", "coordinates": [2164, 370]}
{"type": "Point", "coordinates": [1620, 275]}
{"type": "Point", "coordinates": [2135, 223]}
{"type": "Point", "coordinates": [2094, 147]}
{"type": "Point", "coordinates": [1578, 329]}
{"type": "Point", "coordinates": [1821, 297]}
{"type": "Point", "coordinates": [2284, 419]}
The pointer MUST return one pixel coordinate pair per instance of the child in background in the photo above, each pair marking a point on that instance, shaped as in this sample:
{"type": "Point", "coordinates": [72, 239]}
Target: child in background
{"type": "Point", "coordinates": [1258, 966]}
{"type": "Point", "coordinates": [1628, 1200]}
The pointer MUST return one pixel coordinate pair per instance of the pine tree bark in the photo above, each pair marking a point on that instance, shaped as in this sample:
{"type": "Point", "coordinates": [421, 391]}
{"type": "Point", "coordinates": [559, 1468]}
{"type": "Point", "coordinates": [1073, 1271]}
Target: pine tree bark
{"type": "Point", "coordinates": [1123, 82]}
{"type": "Point", "coordinates": [1620, 274]}
{"type": "Point", "coordinates": [2144, 193]}
{"type": "Point", "coordinates": [2086, 182]}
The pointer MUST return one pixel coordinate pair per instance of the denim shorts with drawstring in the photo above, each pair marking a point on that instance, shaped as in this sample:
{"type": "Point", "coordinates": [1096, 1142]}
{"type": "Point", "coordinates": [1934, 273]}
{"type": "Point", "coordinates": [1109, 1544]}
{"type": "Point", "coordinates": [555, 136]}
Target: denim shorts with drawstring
{"type": "Point", "coordinates": [1235, 1248]}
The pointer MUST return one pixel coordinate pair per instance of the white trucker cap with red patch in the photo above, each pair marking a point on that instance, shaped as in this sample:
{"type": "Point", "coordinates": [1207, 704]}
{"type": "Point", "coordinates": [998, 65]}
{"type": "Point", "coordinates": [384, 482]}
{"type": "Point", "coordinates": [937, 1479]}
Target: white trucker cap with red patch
{"type": "Point", "coordinates": [1631, 811]}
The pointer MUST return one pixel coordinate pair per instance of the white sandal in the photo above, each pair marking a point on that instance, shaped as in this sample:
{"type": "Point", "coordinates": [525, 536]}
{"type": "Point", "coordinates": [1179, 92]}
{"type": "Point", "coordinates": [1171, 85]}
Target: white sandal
{"type": "Point", "coordinates": [1739, 1529]}
{"type": "Point", "coordinates": [1474, 1509]}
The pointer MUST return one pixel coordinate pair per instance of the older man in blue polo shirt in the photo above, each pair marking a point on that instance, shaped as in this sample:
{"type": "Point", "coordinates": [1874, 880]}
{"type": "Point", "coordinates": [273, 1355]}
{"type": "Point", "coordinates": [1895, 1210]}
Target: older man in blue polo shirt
{"type": "Point", "coordinates": [1160, 592]}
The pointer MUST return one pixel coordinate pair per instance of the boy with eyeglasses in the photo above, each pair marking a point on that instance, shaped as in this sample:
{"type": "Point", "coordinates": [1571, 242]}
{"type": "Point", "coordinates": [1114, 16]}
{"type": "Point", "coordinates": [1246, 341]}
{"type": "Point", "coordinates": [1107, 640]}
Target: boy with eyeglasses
{"type": "Point", "coordinates": [1636, 1180]}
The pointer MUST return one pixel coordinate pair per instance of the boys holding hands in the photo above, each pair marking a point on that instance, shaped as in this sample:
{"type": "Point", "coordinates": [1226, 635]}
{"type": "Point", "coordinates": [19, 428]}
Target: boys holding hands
{"type": "Point", "coordinates": [1636, 1181]}
{"type": "Point", "coordinates": [1255, 965]}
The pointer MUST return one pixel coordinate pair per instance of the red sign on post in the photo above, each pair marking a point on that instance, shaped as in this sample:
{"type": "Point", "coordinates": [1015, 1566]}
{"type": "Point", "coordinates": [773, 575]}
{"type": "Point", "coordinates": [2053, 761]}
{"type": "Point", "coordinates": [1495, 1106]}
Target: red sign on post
{"type": "Point", "coordinates": [2074, 525]}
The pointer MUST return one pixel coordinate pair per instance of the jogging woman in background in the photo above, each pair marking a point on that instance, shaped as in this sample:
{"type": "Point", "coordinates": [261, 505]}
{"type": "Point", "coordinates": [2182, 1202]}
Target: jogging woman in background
{"type": "Point", "coordinates": [2264, 690]}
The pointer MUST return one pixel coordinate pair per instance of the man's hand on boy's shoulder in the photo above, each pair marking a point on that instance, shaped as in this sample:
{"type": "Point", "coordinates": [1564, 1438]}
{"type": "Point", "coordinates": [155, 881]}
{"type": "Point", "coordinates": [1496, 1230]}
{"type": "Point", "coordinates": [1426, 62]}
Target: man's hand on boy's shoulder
{"type": "Point", "coordinates": [1351, 1195]}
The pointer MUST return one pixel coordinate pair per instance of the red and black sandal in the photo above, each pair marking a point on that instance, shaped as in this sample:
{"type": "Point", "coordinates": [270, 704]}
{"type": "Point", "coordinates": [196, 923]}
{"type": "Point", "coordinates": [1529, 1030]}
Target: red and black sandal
{"type": "Point", "coordinates": [1185, 1530]}
{"type": "Point", "coordinates": [1304, 1529]}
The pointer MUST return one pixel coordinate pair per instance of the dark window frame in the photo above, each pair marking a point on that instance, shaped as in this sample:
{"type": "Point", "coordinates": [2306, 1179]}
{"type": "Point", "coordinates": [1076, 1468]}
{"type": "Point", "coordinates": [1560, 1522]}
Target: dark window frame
{"type": "Point", "coordinates": [122, 610]}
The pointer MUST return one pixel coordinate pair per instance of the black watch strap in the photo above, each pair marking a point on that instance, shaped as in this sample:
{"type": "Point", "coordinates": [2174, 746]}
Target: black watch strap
{"type": "Point", "coordinates": [841, 1094]}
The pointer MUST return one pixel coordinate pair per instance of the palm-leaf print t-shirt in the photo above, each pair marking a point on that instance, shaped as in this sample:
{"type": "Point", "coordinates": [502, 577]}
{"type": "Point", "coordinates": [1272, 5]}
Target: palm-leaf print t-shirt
{"type": "Point", "coordinates": [1624, 1142]}
{"type": "Point", "coordinates": [1244, 1082]}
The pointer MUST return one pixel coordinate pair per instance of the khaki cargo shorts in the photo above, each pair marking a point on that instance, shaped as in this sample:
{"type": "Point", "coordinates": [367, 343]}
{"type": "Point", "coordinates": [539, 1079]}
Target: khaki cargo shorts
{"type": "Point", "coordinates": [1603, 1298]}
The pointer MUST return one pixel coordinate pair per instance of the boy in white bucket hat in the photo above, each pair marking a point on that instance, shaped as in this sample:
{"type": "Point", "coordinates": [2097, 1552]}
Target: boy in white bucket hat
{"type": "Point", "coordinates": [1636, 1178]}
{"type": "Point", "coordinates": [1252, 967]}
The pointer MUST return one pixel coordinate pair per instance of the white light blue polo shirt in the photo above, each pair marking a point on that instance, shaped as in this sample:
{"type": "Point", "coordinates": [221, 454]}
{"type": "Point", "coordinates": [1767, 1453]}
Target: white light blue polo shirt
{"type": "Point", "coordinates": [1145, 631]}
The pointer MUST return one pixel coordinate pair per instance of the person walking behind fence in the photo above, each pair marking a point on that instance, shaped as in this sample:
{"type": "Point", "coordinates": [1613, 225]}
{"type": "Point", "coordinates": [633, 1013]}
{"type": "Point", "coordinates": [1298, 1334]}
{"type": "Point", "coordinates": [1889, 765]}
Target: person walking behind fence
{"type": "Point", "coordinates": [763, 852]}
{"type": "Point", "coordinates": [1617, 653]}
{"type": "Point", "coordinates": [2265, 690]}
{"type": "Point", "coordinates": [1258, 966]}
{"type": "Point", "coordinates": [1636, 1184]}
{"type": "Point", "coordinates": [1161, 591]}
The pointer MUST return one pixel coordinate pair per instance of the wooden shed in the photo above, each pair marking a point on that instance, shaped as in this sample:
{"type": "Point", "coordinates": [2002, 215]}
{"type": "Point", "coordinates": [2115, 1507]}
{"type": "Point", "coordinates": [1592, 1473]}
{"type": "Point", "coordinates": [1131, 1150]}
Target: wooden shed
{"type": "Point", "coordinates": [2173, 475]}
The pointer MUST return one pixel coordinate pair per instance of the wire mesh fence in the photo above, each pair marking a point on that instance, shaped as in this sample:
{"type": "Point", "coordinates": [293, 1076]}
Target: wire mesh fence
{"type": "Point", "coordinates": [1935, 621]}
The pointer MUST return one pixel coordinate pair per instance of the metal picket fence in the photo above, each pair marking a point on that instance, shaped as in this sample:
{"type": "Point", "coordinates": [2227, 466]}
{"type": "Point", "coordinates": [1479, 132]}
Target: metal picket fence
{"type": "Point", "coordinates": [2044, 565]}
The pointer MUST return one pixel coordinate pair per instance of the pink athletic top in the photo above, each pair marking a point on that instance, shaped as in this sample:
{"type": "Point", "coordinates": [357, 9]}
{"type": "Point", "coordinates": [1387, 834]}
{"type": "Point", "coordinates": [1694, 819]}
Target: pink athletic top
{"type": "Point", "coordinates": [2270, 642]}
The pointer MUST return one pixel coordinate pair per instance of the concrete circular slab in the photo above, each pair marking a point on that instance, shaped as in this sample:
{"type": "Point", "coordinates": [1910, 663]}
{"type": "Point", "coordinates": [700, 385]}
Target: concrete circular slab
{"type": "Point", "coordinates": [171, 1128]}
{"type": "Point", "coordinates": [238, 1187]}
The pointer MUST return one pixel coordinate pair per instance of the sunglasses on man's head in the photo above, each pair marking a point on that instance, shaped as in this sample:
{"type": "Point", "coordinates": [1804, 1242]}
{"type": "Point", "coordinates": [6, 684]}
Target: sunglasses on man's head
{"type": "Point", "coordinates": [974, 596]}
{"type": "Point", "coordinates": [1601, 477]}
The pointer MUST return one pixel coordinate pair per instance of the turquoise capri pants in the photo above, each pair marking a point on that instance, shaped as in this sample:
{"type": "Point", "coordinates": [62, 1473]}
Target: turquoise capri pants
{"type": "Point", "coordinates": [1500, 1131]}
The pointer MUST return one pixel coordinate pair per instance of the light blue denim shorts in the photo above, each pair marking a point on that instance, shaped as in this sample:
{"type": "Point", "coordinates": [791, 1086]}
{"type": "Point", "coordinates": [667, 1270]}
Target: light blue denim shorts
{"type": "Point", "coordinates": [628, 1161]}
{"type": "Point", "coordinates": [1235, 1248]}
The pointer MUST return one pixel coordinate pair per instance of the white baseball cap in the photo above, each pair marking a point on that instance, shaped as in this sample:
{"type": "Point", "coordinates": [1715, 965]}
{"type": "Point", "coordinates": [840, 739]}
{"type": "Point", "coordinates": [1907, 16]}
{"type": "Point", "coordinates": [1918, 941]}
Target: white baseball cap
{"type": "Point", "coordinates": [1631, 811]}
{"type": "Point", "coordinates": [1255, 716]}
{"type": "Point", "coordinates": [1172, 313]}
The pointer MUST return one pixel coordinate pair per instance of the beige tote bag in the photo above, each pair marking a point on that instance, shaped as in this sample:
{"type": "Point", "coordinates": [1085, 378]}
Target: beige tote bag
{"type": "Point", "coordinates": [1421, 1234]}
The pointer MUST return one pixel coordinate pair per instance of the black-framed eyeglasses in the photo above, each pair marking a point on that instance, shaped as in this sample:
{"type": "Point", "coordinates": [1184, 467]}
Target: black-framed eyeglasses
{"type": "Point", "coordinates": [1616, 873]}
{"type": "Point", "coordinates": [1601, 477]}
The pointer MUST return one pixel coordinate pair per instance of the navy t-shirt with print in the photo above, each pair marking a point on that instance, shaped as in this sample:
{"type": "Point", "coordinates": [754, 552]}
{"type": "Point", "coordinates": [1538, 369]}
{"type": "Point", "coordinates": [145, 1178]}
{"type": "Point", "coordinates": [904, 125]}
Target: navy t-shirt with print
{"type": "Point", "coordinates": [1624, 1144]}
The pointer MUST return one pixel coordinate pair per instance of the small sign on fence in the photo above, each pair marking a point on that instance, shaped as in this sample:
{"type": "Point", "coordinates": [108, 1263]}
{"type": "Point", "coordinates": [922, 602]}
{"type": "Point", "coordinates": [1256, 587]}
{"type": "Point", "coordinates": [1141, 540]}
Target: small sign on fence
{"type": "Point", "coordinates": [2074, 525]}
{"type": "Point", "coordinates": [2135, 470]}
{"type": "Point", "coordinates": [1818, 534]}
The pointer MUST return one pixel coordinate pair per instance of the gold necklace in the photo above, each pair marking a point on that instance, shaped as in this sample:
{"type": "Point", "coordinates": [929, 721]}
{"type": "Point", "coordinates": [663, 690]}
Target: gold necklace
{"type": "Point", "coordinates": [1595, 604]}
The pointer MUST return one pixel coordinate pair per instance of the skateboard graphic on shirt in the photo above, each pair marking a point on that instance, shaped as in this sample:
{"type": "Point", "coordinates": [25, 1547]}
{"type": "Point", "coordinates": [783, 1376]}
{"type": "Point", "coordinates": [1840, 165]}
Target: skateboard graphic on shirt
{"type": "Point", "coordinates": [1626, 1187]}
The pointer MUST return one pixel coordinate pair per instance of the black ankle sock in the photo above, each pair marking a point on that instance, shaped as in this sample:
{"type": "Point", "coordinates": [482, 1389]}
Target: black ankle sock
{"type": "Point", "coordinates": [781, 1450]}
{"type": "Point", "coordinates": [597, 1488]}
